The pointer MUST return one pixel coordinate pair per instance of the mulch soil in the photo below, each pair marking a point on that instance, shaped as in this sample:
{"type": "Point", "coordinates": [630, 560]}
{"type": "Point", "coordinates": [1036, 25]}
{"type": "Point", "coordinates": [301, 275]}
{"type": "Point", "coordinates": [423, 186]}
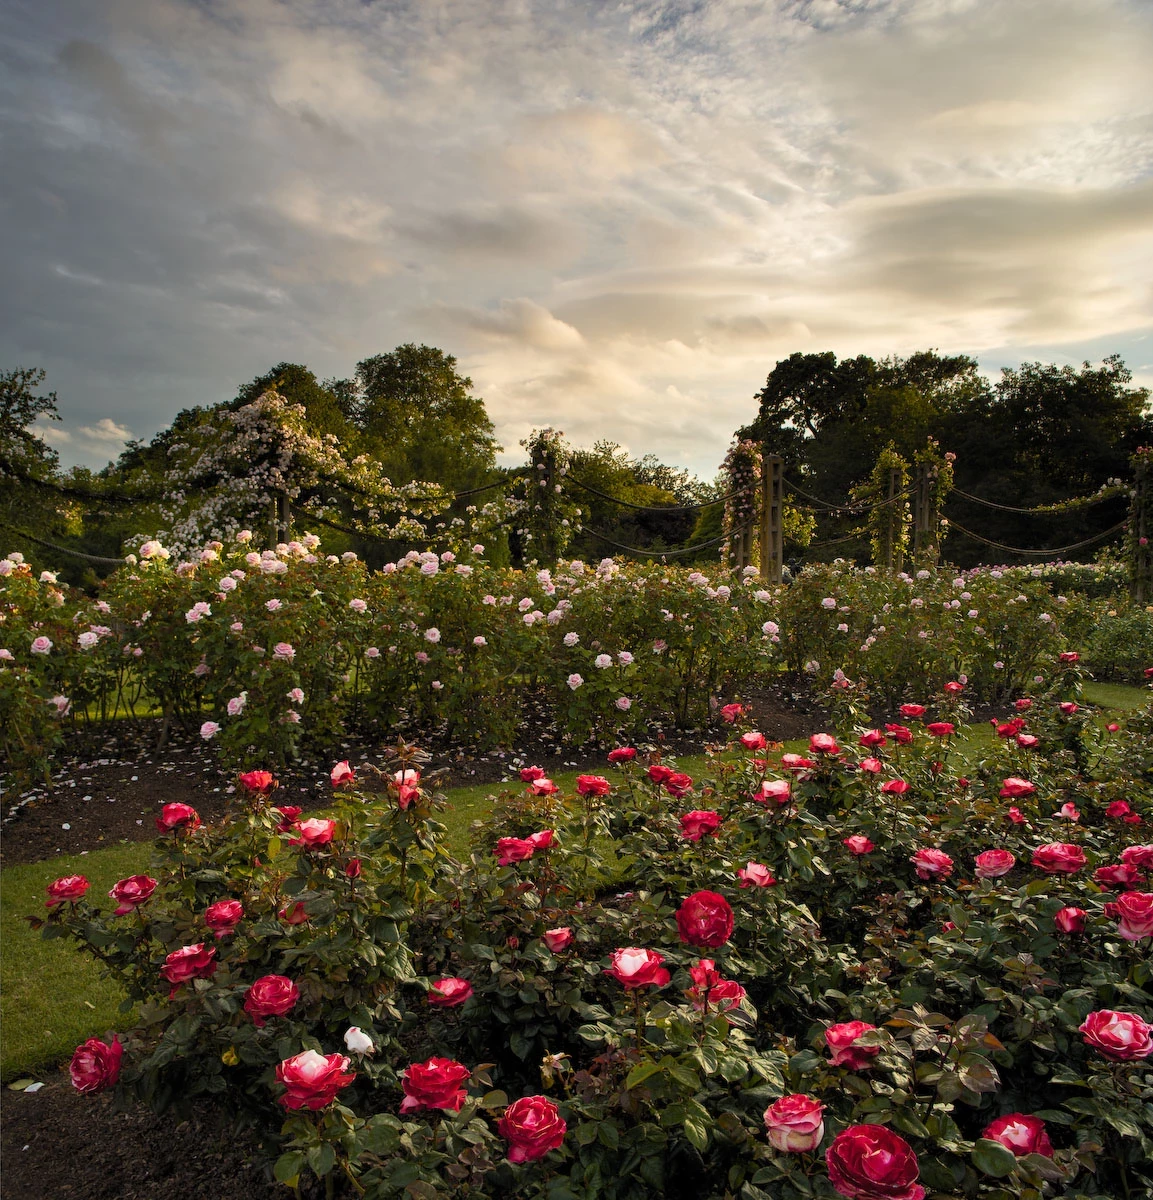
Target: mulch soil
{"type": "Point", "coordinates": [108, 787]}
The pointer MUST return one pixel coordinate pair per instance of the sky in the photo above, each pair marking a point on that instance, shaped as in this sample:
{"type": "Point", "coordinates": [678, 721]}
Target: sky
{"type": "Point", "coordinates": [617, 216]}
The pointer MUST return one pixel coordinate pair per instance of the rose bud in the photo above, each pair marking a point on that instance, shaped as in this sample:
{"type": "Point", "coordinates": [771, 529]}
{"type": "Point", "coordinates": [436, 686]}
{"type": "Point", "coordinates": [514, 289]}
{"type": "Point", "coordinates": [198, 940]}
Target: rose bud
{"type": "Point", "coordinates": [1138, 856]}
{"type": "Point", "coordinates": [1070, 920]}
{"type": "Point", "coordinates": [509, 850]}
{"type": "Point", "coordinates": [223, 917]}
{"type": "Point", "coordinates": [352, 868]}
{"type": "Point", "coordinates": [932, 863]}
{"type": "Point", "coordinates": [532, 1126]}
{"type": "Point", "coordinates": [1020, 1133]}
{"type": "Point", "coordinates": [95, 1065]}
{"type": "Point", "coordinates": [694, 825]}
{"type": "Point", "coordinates": [1014, 788]}
{"type": "Point", "coordinates": [178, 816]}
{"type": "Point", "coordinates": [823, 743]}
{"type": "Point", "coordinates": [258, 783]}
{"type": "Point", "coordinates": [636, 968]}
{"type": "Point", "coordinates": [68, 888]}
{"type": "Point", "coordinates": [871, 1162]}
{"type": "Point", "coordinates": [270, 996]}
{"type": "Point", "coordinates": [622, 754]}
{"type": "Point", "coordinates": [342, 775]}
{"type": "Point", "coordinates": [531, 774]}
{"type": "Point", "coordinates": [293, 914]}
{"type": "Point", "coordinates": [994, 863]}
{"type": "Point", "coordinates": [795, 1124]}
{"type": "Point", "coordinates": [1059, 858]}
{"type": "Point", "coordinates": [912, 711]}
{"type": "Point", "coordinates": [542, 840]}
{"type": "Point", "coordinates": [1068, 811]}
{"type": "Point", "coordinates": [314, 832]}
{"type": "Point", "coordinates": [1122, 1036]}
{"type": "Point", "coordinates": [189, 962]}
{"type": "Point", "coordinates": [756, 875]}
{"type": "Point", "coordinates": [678, 784]}
{"type": "Point", "coordinates": [311, 1080]}
{"type": "Point", "coordinates": [1133, 912]}
{"type": "Point", "coordinates": [721, 995]}
{"type": "Point", "coordinates": [558, 939]}
{"type": "Point", "coordinates": [753, 741]}
{"type": "Point", "coordinates": [450, 992]}
{"type": "Point", "coordinates": [705, 919]}
{"type": "Point", "coordinates": [435, 1083]}
{"type": "Point", "coordinates": [131, 892]}
{"type": "Point", "coordinates": [857, 843]}
{"type": "Point", "coordinates": [841, 1039]}
{"type": "Point", "coordinates": [358, 1042]}
{"type": "Point", "coordinates": [592, 785]}
{"type": "Point", "coordinates": [1117, 873]}
{"type": "Point", "coordinates": [1015, 815]}
{"type": "Point", "coordinates": [288, 814]}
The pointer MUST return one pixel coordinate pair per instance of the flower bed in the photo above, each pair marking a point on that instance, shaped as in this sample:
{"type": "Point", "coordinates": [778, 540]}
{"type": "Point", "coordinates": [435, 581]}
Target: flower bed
{"type": "Point", "coordinates": [850, 972]}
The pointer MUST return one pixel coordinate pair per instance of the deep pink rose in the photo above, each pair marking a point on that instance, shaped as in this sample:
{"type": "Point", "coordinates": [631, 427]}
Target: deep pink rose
{"type": "Point", "coordinates": [189, 962]}
{"type": "Point", "coordinates": [993, 863]}
{"type": "Point", "coordinates": [258, 783]}
{"type": "Point", "coordinates": [311, 1080]}
{"type": "Point", "coordinates": [449, 992]}
{"type": "Point", "coordinates": [941, 728]}
{"type": "Point", "coordinates": [840, 1040]}
{"type": "Point", "coordinates": [894, 787]}
{"type": "Point", "coordinates": [543, 787]}
{"type": "Point", "coordinates": [1118, 809]}
{"type": "Point", "coordinates": [1122, 1036]}
{"type": "Point", "coordinates": [435, 1083]}
{"type": "Point", "coordinates": [1117, 873]}
{"type": "Point", "coordinates": [532, 1126]}
{"type": "Point", "coordinates": [69, 888]}
{"type": "Point", "coordinates": [558, 939]}
{"type": "Point", "coordinates": [636, 968]}
{"type": "Point", "coordinates": [872, 738]}
{"type": "Point", "coordinates": [778, 790]}
{"type": "Point", "coordinates": [622, 754]}
{"type": "Point", "coordinates": [900, 734]}
{"type": "Point", "coordinates": [294, 914]}
{"type": "Point", "coordinates": [1015, 815]}
{"type": "Point", "coordinates": [593, 785]}
{"type": "Point", "coordinates": [823, 743]}
{"type": "Point", "coordinates": [658, 773]}
{"type": "Point", "coordinates": [316, 831]}
{"type": "Point", "coordinates": [932, 863]}
{"type": "Point", "coordinates": [532, 774]}
{"type": "Point", "coordinates": [224, 916]}
{"type": "Point", "coordinates": [1070, 920]}
{"type": "Point", "coordinates": [1014, 788]}
{"type": "Point", "coordinates": [342, 775]}
{"type": "Point", "coordinates": [912, 711]}
{"type": "Point", "coordinates": [858, 844]}
{"type": "Point", "coordinates": [1021, 1133]}
{"type": "Point", "coordinates": [731, 712]}
{"type": "Point", "coordinates": [131, 892]}
{"type": "Point", "coordinates": [678, 784]}
{"type": "Point", "coordinates": [509, 850]}
{"type": "Point", "coordinates": [871, 1162]}
{"type": "Point", "coordinates": [874, 766]}
{"type": "Point", "coordinates": [1133, 912]}
{"type": "Point", "coordinates": [795, 1124]}
{"type": "Point", "coordinates": [288, 814]}
{"type": "Point", "coordinates": [1138, 856]}
{"type": "Point", "coordinates": [705, 919]}
{"type": "Point", "coordinates": [95, 1065]}
{"type": "Point", "coordinates": [796, 763]}
{"type": "Point", "coordinates": [1059, 858]}
{"type": "Point", "coordinates": [694, 825]}
{"type": "Point", "coordinates": [756, 875]}
{"type": "Point", "coordinates": [753, 740]}
{"type": "Point", "coordinates": [270, 996]}
{"type": "Point", "coordinates": [177, 816]}
{"type": "Point", "coordinates": [542, 840]}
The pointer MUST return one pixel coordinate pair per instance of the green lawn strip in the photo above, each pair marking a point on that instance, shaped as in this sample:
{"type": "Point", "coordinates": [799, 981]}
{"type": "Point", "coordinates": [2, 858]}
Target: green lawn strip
{"type": "Point", "coordinates": [1116, 695]}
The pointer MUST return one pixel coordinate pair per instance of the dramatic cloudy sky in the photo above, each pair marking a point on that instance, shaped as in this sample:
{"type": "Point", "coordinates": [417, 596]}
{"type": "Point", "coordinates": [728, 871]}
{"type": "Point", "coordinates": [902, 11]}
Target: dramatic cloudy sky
{"type": "Point", "coordinates": [617, 215]}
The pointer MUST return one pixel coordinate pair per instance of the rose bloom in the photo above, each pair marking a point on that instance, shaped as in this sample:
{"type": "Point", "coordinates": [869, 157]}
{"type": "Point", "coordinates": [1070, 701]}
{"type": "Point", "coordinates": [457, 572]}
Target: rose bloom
{"type": "Point", "coordinates": [1122, 1036]}
{"type": "Point", "coordinates": [678, 784]}
{"type": "Point", "coordinates": [1014, 788]}
{"type": "Point", "coordinates": [68, 888]}
{"type": "Point", "coordinates": [311, 1080]}
{"type": "Point", "coordinates": [873, 765]}
{"type": "Point", "coordinates": [543, 787]}
{"type": "Point", "coordinates": [435, 1083]}
{"type": "Point", "coordinates": [1059, 858]}
{"type": "Point", "coordinates": [1117, 873]}
{"type": "Point", "coordinates": [270, 996]}
{"type": "Point", "coordinates": [871, 1162]}
{"type": "Point", "coordinates": [558, 939]}
{"type": "Point", "coordinates": [316, 831]}
{"type": "Point", "coordinates": [636, 968]}
{"type": "Point", "coordinates": [622, 754]}
{"type": "Point", "coordinates": [224, 916]}
{"type": "Point", "coordinates": [1138, 856]}
{"type": "Point", "coordinates": [189, 962]}
{"type": "Point", "coordinates": [293, 914]}
{"type": "Point", "coordinates": [1015, 815]}
{"type": "Point", "coordinates": [1070, 920]}
{"type": "Point", "coordinates": [1021, 1133]}
{"type": "Point", "coordinates": [449, 992]}
{"type": "Point", "coordinates": [993, 863]}
{"type": "Point", "coordinates": [509, 850]}
{"type": "Point", "coordinates": [796, 762]}
{"type": "Point", "coordinates": [1068, 707]}
{"type": "Point", "coordinates": [823, 743]}
{"type": "Point", "coordinates": [342, 774]}
{"type": "Point", "coordinates": [532, 1126]}
{"type": "Point", "coordinates": [710, 989]}
{"type": "Point", "coordinates": [872, 738]}
{"type": "Point", "coordinates": [358, 1042]}
{"type": "Point", "coordinates": [954, 688]}
{"type": "Point", "coordinates": [795, 1124]}
{"type": "Point", "coordinates": [1068, 811]}
{"type": "Point", "coordinates": [695, 824]}
{"type": "Point", "coordinates": [894, 787]}
{"type": "Point", "coordinates": [912, 711]}
{"type": "Point", "coordinates": [131, 892]}
{"type": "Point", "coordinates": [840, 1040]}
{"type": "Point", "coordinates": [593, 785]}
{"type": "Point", "coordinates": [1118, 809]}
{"type": "Point", "coordinates": [529, 774]}
{"type": "Point", "coordinates": [753, 741]}
{"type": "Point", "coordinates": [658, 773]}
{"type": "Point", "coordinates": [932, 863]}
{"type": "Point", "coordinates": [858, 844]}
{"type": "Point", "coordinates": [1133, 912]}
{"type": "Point", "coordinates": [288, 814]}
{"type": "Point", "coordinates": [96, 1065]}
{"type": "Point", "coordinates": [177, 816]}
{"type": "Point", "coordinates": [730, 713]}
{"type": "Point", "coordinates": [258, 783]}
{"type": "Point", "coordinates": [705, 919]}
{"type": "Point", "coordinates": [756, 875]}
{"type": "Point", "coordinates": [779, 790]}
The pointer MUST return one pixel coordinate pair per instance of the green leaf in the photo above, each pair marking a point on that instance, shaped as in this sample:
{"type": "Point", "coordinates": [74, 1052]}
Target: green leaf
{"type": "Point", "coordinates": [993, 1159]}
{"type": "Point", "coordinates": [321, 1159]}
{"type": "Point", "coordinates": [287, 1168]}
{"type": "Point", "coordinates": [640, 1073]}
{"type": "Point", "coordinates": [804, 1062]}
{"type": "Point", "coordinates": [697, 1132]}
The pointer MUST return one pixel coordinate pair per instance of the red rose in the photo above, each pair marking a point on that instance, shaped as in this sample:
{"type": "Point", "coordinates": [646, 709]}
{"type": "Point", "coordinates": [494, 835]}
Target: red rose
{"type": "Point", "coordinates": [840, 1040]}
{"type": "Point", "coordinates": [131, 892]}
{"type": "Point", "coordinates": [593, 785]}
{"type": "Point", "coordinates": [1070, 920]}
{"type": "Point", "coordinates": [871, 1162]}
{"type": "Point", "coordinates": [994, 863]}
{"type": "Point", "coordinates": [857, 843]}
{"type": "Point", "coordinates": [932, 863]}
{"type": "Point", "coordinates": [1121, 1036]}
{"type": "Point", "coordinates": [558, 939]}
{"type": "Point", "coordinates": [658, 773]}
{"type": "Point", "coordinates": [1117, 873]}
{"type": "Point", "coordinates": [258, 783]}
{"type": "Point", "coordinates": [899, 734]}
{"type": "Point", "coordinates": [316, 831]}
{"type": "Point", "coordinates": [756, 875]}
{"type": "Point", "coordinates": [1068, 707]}
{"type": "Point", "coordinates": [449, 992]}
{"type": "Point", "coordinates": [873, 738]}
{"type": "Point", "coordinates": [293, 914]}
{"type": "Point", "coordinates": [894, 787]}
{"type": "Point", "coordinates": [678, 784]}
{"type": "Point", "coordinates": [622, 754]}
{"type": "Point", "coordinates": [953, 688]}
{"type": "Point", "coordinates": [224, 916]}
{"type": "Point", "coordinates": [1133, 912]}
{"type": "Point", "coordinates": [352, 868]}
{"type": "Point", "coordinates": [694, 825]}
{"type": "Point", "coordinates": [312, 1080]}
{"type": "Point", "coordinates": [823, 743]}
{"type": "Point", "coordinates": [342, 775]}
{"type": "Point", "coordinates": [1015, 815]}
{"type": "Point", "coordinates": [753, 741]}
{"type": "Point", "coordinates": [69, 887]}
{"type": "Point", "coordinates": [779, 790]}
{"type": "Point", "coordinates": [705, 919]}
{"type": "Point", "coordinates": [532, 1126]}
{"type": "Point", "coordinates": [1059, 858]}
{"type": "Point", "coordinates": [1138, 856]}
{"type": "Point", "coordinates": [1118, 809]}
{"type": "Point", "coordinates": [912, 711]}
{"type": "Point", "coordinates": [189, 962]}
{"type": "Point", "coordinates": [530, 774]}
{"type": "Point", "coordinates": [941, 728]}
{"type": "Point", "coordinates": [731, 712]}
{"type": "Point", "coordinates": [177, 816]}
{"type": "Point", "coordinates": [270, 996]}
{"type": "Point", "coordinates": [795, 1124]}
{"type": "Point", "coordinates": [636, 968]}
{"type": "Point", "coordinates": [288, 814]}
{"type": "Point", "coordinates": [435, 1083]}
{"type": "Point", "coordinates": [1069, 656]}
{"type": "Point", "coordinates": [1021, 1133]}
{"type": "Point", "coordinates": [1014, 788]}
{"type": "Point", "coordinates": [95, 1065]}
{"type": "Point", "coordinates": [510, 850]}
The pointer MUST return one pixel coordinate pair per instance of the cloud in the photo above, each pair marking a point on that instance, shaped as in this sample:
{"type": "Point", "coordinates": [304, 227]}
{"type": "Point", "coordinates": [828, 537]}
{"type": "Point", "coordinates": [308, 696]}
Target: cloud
{"type": "Point", "coordinates": [106, 430]}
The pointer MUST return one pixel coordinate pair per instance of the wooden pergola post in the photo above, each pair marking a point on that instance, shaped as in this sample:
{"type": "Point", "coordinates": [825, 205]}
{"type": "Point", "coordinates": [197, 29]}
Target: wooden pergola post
{"type": "Point", "coordinates": [772, 518]}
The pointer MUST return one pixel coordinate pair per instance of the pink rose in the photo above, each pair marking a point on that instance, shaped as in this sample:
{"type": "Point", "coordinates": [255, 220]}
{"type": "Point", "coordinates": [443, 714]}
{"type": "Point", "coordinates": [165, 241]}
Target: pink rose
{"type": "Point", "coordinates": [131, 892]}
{"type": "Point", "coordinates": [542, 840]}
{"type": "Point", "coordinates": [189, 962]}
{"type": "Point", "coordinates": [1059, 858]}
{"type": "Point", "coordinates": [558, 939]}
{"type": "Point", "coordinates": [941, 729]}
{"type": "Point", "coordinates": [622, 754]}
{"type": "Point", "coordinates": [911, 711]}
{"type": "Point", "coordinates": [177, 816]}
{"type": "Point", "coordinates": [270, 996]}
{"type": "Point", "coordinates": [1021, 1133]}
{"type": "Point", "coordinates": [510, 850]}
{"type": "Point", "coordinates": [709, 989]}
{"type": "Point", "coordinates": [932, 863]}
{"type": "Point", "coordinates": [1014, 788]}
{"type": "Point", "coordinates": [705, 919]}
{"type": "Point", "coordinates": [843, 1051]}
{"type": "Point", "coordinates": [258, 783]}
{"type": "Point", "coordinates": [435, 1083]}
{"type": "Point", "coordinates": [756, 875]}
{"type": "Point", "coordinates": [795, 1124]}
{"type": "Point", "coordinates": [1138, 856]}
{"type": "Point", "coordinates": [1122, 1036]}
{"type": "Point", "coordinates": [894, 787]}
{"type": "Point", "coordinates": [69, 888]}
{"type": "Point", "coordinates": [311, 1080]}
{"type": "Point", "coordinates": [694, 825]}
{"type": "Point", "coordinates": [593, 785]}
{"type": "Point", "coordinates": [993, 863]}
{"type": "Point", "coordinates": [730, 713]}
{"type": "Point", "coordinates": [823, 743]}
{"type": "Point", "coordinates": [900, 734]}
{"type": "Point", "coordinates": [532, 1126]}
{"type": "Point", "coordinates": [753, 741]}
{"type": "Point", "coordinates": [288, 814]}
{"type": "Point", "coordinates": [543, 787]}
{"type": "Point", "coordinates": [294, 914]}
{"type": "Point", "coordinates": [779, 790]}
{"type": "Point", "coordinates": [636, 968]}
{"type": "Point", "coordinates": [449, 992]}
{"type": "Point", "coordinates": [529, 774]}
{"type": "Point", "coordinates": [872, 738]}
{"type": "Point", "coordinates": [678, 784]}
{"type": "Point", "coordinates": [1070, 920]}
{"type": "Point", "coordinates": [342, 774]}
{"type": "Point", "coordinates": [1117, 873]}
{"type": "Point", "coordinates": [858, 844]}
{"type": "Point", "coordinates": [871, 1162]}
{"type": "Point", "coordinates": [224, 916]}
{"type": "Point", "coordinates": [95, 1065]}
{"type": "Point", "coordinates": [1133, 912]}
{"type": "Point", "coordinates": [316, 831]}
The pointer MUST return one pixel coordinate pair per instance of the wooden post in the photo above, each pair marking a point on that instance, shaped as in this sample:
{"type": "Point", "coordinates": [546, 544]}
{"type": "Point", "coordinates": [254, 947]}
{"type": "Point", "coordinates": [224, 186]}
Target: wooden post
{"type": "Point", "coordinates": [772, 518]}
{"type": "Point", "coordinates": [283, 518]}
{"type": "Point", "coordinates": [921, 513]}
{"type": "Point", "coordinates": [893, 558]}
{"type": "Point", "coordinates": [1141, 533]}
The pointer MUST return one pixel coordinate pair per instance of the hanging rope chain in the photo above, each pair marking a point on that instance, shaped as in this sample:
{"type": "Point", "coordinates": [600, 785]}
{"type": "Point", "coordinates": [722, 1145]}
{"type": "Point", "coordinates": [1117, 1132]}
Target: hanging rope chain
{"type": "Point", "coordinates": [1043, 510]}
{"type": "Point", "coordinates": [682, 508]}
{"type": "Point", "coordinates": [1099, 537]}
